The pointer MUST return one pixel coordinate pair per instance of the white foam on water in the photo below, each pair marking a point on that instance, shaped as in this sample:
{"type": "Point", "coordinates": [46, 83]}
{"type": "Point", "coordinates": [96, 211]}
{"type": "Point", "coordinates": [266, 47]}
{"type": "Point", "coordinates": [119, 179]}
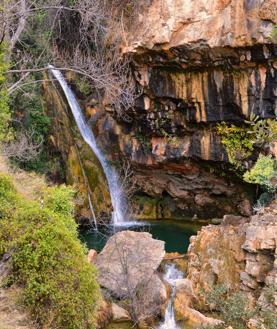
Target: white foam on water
{"type": "Point", "coordinates": [171, 276]}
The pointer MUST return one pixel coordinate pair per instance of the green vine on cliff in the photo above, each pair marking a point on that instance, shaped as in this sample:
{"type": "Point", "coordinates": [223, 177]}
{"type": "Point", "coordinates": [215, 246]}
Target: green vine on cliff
{"type": "Point", "coordinates": [241, 141]}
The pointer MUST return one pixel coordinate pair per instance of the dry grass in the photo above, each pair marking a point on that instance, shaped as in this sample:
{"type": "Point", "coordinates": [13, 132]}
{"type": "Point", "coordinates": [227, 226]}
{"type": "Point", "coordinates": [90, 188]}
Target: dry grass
{"type": "Point", "coordinates": [11, 315]}
{"type": "Point", "coordinates": [26, 183]}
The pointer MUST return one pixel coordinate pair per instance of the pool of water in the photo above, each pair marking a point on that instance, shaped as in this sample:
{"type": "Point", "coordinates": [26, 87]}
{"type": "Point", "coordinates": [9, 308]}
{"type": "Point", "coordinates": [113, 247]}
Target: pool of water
{"type": "Point", "coordinates": [175, 233]}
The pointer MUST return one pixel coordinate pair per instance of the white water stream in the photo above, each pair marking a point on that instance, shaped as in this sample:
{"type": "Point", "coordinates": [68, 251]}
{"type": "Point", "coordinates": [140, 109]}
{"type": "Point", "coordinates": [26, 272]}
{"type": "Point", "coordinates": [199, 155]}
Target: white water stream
{"type": "Point", "coordinates": [119, 216]}
{"type": "Point", "coordinates": [171, 276]}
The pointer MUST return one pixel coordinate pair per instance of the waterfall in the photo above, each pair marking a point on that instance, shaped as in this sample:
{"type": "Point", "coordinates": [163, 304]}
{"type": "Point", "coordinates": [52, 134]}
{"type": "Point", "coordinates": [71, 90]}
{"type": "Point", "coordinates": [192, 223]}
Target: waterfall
{"type": "Point", "coordinates": [171, 276]}
{"type": "Point", "coordinates": [119, 216]}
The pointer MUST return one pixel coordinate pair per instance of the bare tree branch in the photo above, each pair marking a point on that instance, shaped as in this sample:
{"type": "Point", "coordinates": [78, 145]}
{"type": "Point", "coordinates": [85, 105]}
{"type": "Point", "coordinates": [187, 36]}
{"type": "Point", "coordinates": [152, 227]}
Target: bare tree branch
{"type": "Point", "coordinates": [21, 24]}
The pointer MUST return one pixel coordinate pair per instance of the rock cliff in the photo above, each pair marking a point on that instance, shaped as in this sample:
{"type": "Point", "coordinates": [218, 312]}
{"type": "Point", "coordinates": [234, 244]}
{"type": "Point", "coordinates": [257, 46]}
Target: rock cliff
{"type": "Point", "coordinates": [240, 254]}
{"type": "Point", "coordinates": [196, 63]}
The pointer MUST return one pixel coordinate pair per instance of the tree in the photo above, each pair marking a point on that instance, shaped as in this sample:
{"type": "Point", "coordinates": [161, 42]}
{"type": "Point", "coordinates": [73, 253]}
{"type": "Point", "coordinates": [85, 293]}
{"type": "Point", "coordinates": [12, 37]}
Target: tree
{"type": "Point", "coordinates": [83, 37]}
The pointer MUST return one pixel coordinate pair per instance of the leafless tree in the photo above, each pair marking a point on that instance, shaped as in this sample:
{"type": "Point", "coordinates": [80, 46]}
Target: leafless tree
{"type": "Point", "coordinates": [87, 41]}
{"type": "Point", "coordinates": [23, 148]}
{"type": "Point", "coordinates": [132, 283]}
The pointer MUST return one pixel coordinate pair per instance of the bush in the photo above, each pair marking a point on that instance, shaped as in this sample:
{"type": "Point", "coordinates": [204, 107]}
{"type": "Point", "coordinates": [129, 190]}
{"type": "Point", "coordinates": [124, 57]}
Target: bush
{"type": "Point", "coordinates": [241, 141]}
{"type": "Point", "coordinates": [59, 199]}
{"type": "Point", "coordinates": [4, 106]}
{"type": "Point", "coordinates": [234, 310]}
{"type": "Point", "coordinates": [48, 260]}
{"type": "Point", "coordinates": [262, 172]}
{"type": "Point", "coordinates": [238, 143]}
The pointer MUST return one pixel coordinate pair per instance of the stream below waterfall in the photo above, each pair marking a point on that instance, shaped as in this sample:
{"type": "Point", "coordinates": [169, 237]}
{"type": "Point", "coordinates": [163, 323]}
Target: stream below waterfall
{"type": "Point", "coordinates": [172, 274]}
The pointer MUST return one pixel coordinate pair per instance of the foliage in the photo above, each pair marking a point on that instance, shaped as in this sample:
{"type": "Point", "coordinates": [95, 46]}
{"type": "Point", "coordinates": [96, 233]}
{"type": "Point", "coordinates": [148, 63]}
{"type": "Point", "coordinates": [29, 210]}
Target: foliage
{"type": "Point", "coordinates": [262, 132]}
{"type": "Point", "coordinates": [238, 143]}
{"type": "Point", "coordinates": [262, 172]}
{"type": "Point", "coordinates": [48, 260]}
{"type": "Point", "coordinates": [274, 32]}
{"type": "Point", "coordinates": [30, 119]}
{"type": "Point", "coordinates": [144, 140]}
{"type": "Point", "coordinates": [241, 141]}
{"type": "Point", "coordinates": [170, 139]}
{"type": "Point", "coordinates": [4, 104]}
{"type": "Point", "coordinates": [59, 199]}
{"type": "Point", "coordinates": [235, 311]}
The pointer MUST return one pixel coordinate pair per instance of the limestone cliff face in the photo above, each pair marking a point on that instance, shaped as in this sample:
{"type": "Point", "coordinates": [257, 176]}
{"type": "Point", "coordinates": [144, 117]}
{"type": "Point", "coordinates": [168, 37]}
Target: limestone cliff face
{"type": "Point", "coordinates": [196, 63]}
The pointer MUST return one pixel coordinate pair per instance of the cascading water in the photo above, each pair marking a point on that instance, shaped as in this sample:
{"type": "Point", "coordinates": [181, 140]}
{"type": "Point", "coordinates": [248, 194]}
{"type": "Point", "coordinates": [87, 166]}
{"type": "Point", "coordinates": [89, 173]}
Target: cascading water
{"type": "Point", "coordinates": [171, 276]}
{"type": "Point", "coordinates": [119, 216]}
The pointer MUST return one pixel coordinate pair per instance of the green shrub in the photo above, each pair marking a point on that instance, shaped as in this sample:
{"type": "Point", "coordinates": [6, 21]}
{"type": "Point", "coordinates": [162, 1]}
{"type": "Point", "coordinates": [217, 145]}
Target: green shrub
{"type": "Point", "coordinates": [48, 260]}
{"type": "Point", "coordinates": [238, 143]}
{"type": "Point", "coordinates": [262, 172]}
{"type": "Point", "coordinates": [233, 308]}
{"type": "Point", "coordinates": [59, 199]}
{"type": "Point", "coordinates": [4, 100]}
{"type": "Point", "coordinates": [30, 118]}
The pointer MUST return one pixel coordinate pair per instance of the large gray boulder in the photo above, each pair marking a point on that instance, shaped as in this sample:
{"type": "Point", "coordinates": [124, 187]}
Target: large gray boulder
{"type": "Point", "coordinates": [128, 270]}
{"type": "Point", "coordinates": [128, 260]}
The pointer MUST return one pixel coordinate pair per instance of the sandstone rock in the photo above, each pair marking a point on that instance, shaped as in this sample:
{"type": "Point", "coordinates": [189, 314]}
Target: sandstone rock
{"type": "Point", "coordinates": [119, 314]}
{"type": "Point", "coordinates": [248, 281]}
{"type": "Point", "coordinates": [127, 268]}
{"type": "Point", "coordinates": [92, 255]}
{"type": "Point", "coordinates": [128, 258]}
{"type": "Point", "coordinates": [202, 200]}
{"type": "Point", "coordinates": [216, 23]}
{"type": "Point", "coordinates": [245, 249]}
{"type": "Point", "coordinates": [245, 207]}
{"type": "Point", "coordinates": [195, 318]}
{"type": "Point", "coordinates": [233, 220]}
{"type": "Point", "coordinates": [259, 237]}
{"type": "Point", "coordinates": [184, 297]}
{"type": "Point", "coordinates": [152, 297]}
{"type": "Point", "coordinates": [216, 257]}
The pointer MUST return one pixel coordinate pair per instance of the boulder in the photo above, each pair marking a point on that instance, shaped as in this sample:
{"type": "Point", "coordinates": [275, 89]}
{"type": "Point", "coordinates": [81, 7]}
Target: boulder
{"type": "Point", "coordinates": [240, 253]}
{"type": "Point", "coordinates": [119, 314]}
{"type": "Point", "coordinates": [195, 318]}
{"type": "Point", "coordinates": [129, 258]}
{"type": "Point", "coordinates": [184, 287]}
{"type": "Point", "coordinates": [183, 300]}
{"type": "Point", "coordinates": [233, 220]}
{"type": "Point", "coordinates": [127, 269]}
{"type": "Point", "coordinates": [151, 298]}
